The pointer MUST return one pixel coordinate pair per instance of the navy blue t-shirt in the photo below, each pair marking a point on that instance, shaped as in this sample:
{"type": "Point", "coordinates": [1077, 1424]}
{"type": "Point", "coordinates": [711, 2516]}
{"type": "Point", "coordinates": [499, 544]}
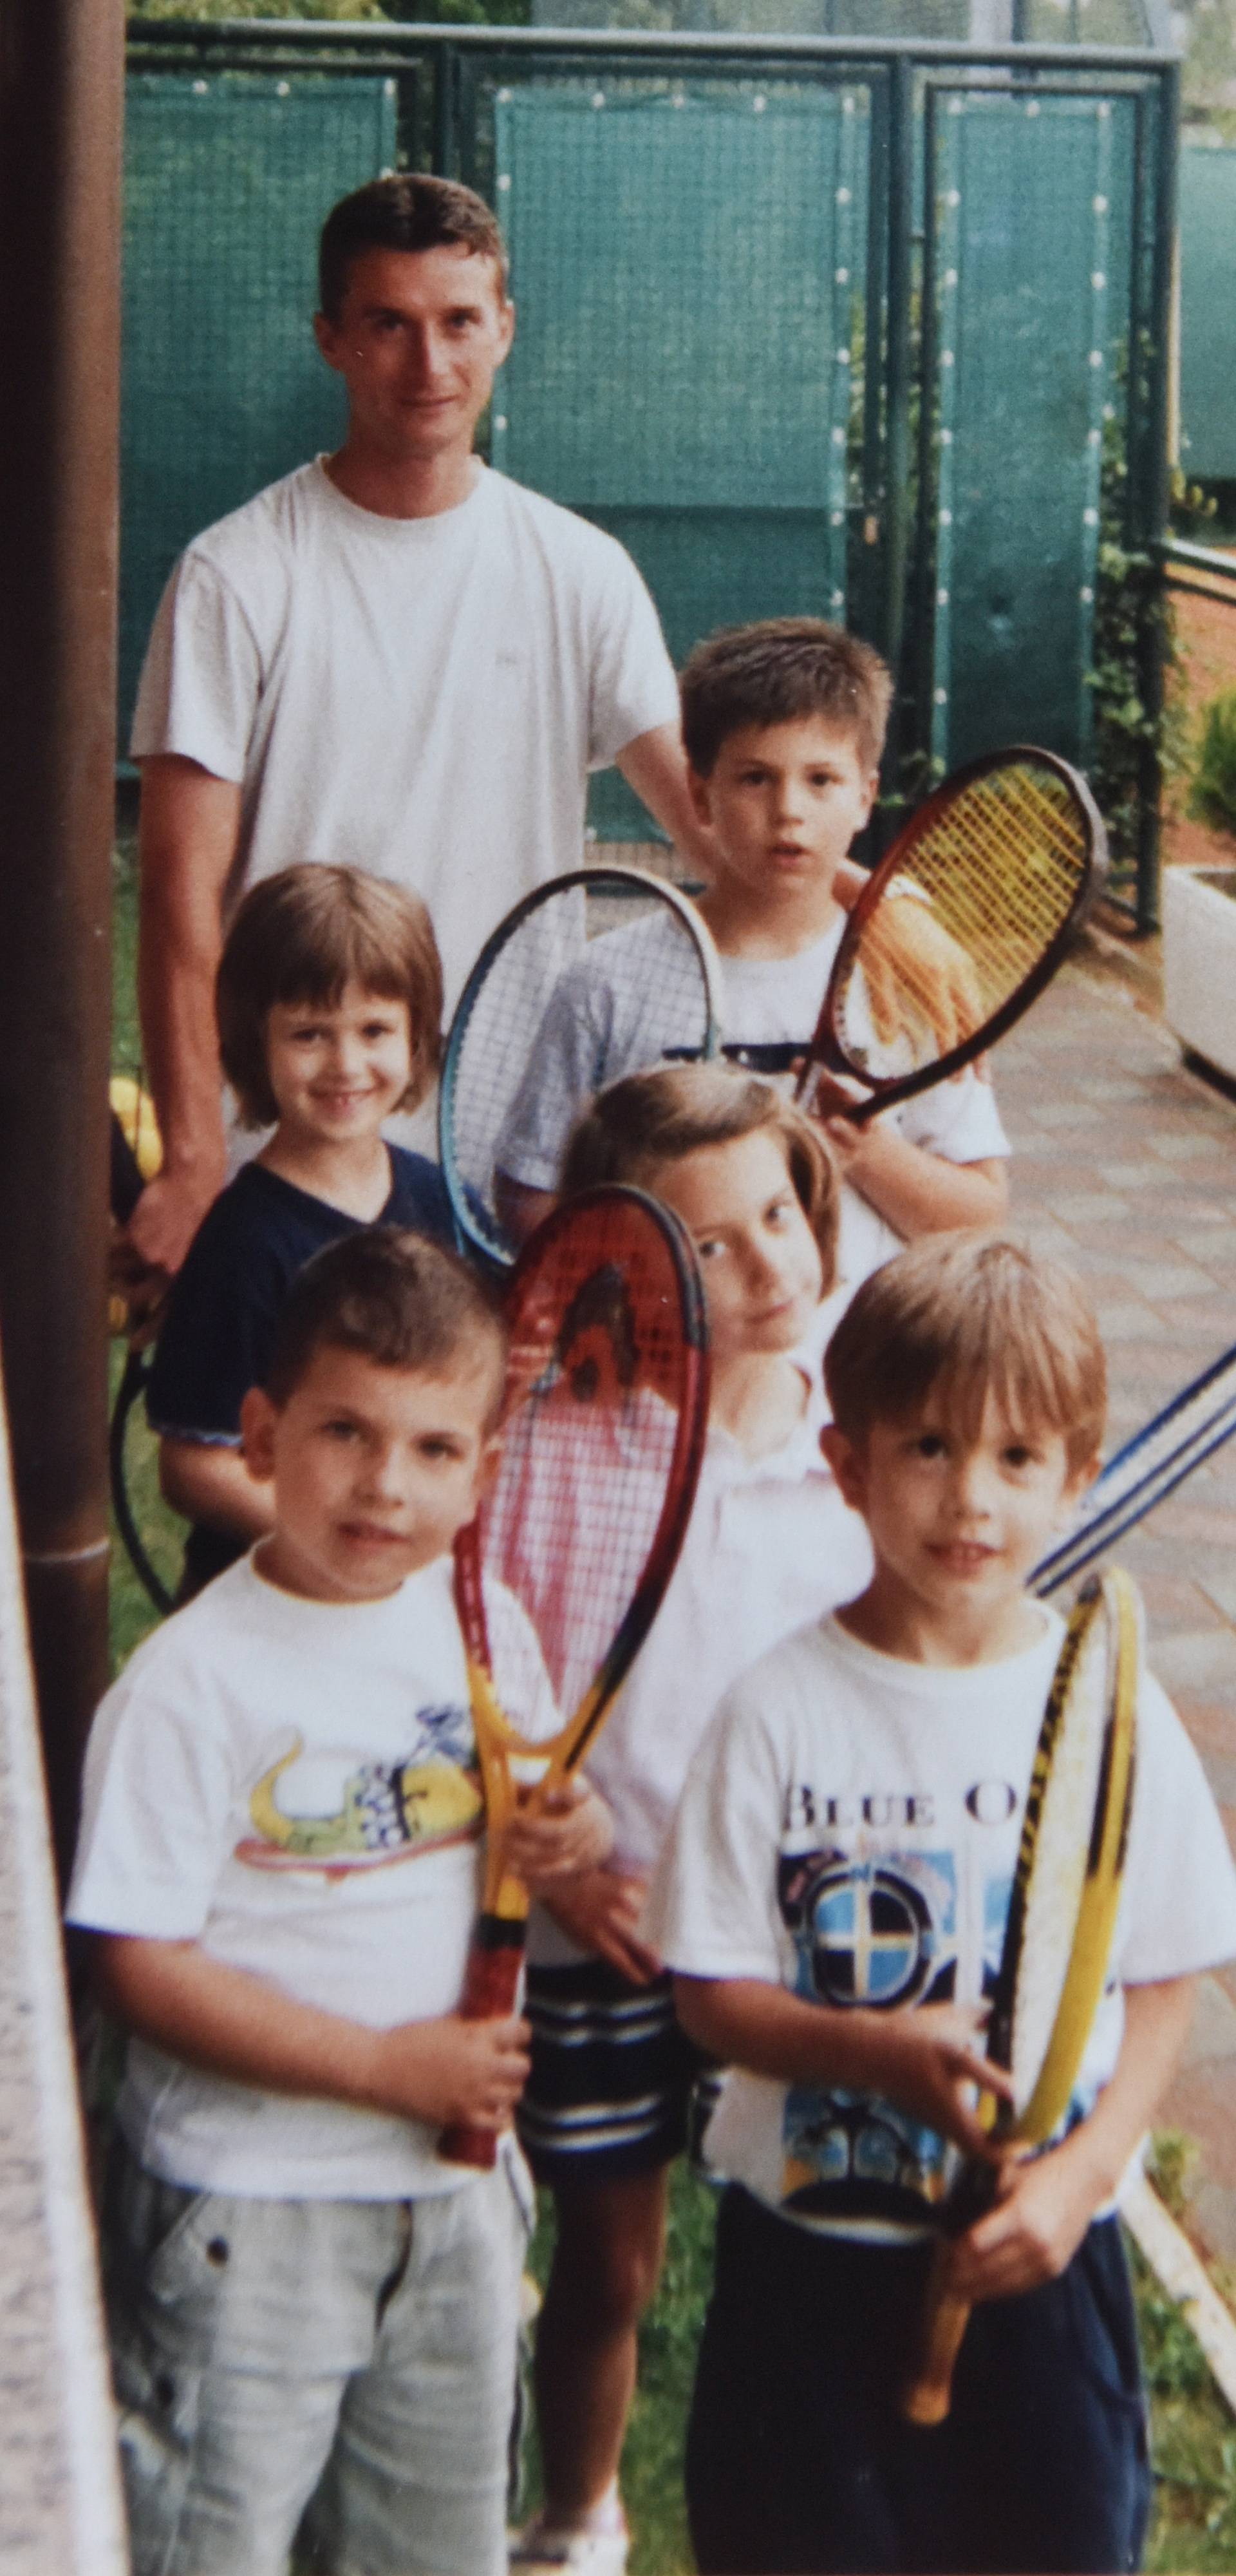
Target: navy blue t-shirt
{"type": "Point", "coordinates": [218, 1333]}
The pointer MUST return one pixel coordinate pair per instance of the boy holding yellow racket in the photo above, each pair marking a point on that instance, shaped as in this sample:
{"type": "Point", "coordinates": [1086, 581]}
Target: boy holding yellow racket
{"type": "Point", "coordinates": [834, 1906]}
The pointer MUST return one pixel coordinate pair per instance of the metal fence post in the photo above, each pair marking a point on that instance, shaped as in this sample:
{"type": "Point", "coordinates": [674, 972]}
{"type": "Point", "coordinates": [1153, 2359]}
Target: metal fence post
{"type": "Point", "coordinates": [1155, 486]}
{"type": "Point", "coordinates": [900, 297]}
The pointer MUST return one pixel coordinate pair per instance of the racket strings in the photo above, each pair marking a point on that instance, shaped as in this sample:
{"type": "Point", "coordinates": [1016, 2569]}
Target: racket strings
{"type": "Point", "coordinates": [593, 981]}
{"type": "Point", "coordinates": [1001, 867]}
{"type": "Point", "coordinates": [589, 1460]}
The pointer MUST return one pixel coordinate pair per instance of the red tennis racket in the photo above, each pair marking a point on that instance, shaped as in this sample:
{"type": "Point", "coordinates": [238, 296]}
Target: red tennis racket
{"type": "Point", "coordinates": [1006, 858]}
{"type": "Point", "coordinates": [563, 1570]}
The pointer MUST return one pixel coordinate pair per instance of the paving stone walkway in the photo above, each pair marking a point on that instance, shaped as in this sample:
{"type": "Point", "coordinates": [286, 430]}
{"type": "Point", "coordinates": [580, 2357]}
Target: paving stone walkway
{"type": "Point", "coordinates": [1126, 1166]}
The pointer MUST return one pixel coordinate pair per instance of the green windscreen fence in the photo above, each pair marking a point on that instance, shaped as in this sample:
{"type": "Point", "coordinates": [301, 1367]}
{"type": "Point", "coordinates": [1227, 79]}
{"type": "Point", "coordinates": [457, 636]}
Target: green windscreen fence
{"type": "Point", "coordinates": [806, 333]}
{"type": "Point", "coordinates": [689, 273]}
{"type": "Point", "coordinates": [1208, 313]}
{"type": "Point", "coordinates": [227, 180]}
{"type": "Point", "coordinates": [1032, 228]}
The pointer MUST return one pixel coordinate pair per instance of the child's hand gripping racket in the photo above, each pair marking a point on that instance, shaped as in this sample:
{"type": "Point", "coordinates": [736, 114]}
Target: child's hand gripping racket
{"type": "Point", "coordinates": [548, 1015]}
{"type": "Point", "coordinates": [606, 1412]}
{"type": "Point", "coordinates": [1006, 856]}
{"type": "Point", "coordinates": [1062, 1915]}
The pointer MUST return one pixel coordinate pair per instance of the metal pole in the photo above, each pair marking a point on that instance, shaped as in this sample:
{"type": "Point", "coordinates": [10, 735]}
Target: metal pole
{"type": "Point", "coordinates": [899, 454]}
{"type": "Point", "coordinates": [61, 99]}
{"type": "Point", "coordinates": [1157, 482]}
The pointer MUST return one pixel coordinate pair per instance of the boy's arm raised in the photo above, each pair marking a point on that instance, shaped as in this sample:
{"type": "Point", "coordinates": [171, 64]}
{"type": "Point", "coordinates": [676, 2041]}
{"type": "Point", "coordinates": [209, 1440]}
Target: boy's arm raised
{"type": "Point", "coordinates": [1046, 2202]}
{"type": "Point", "coordinates": [218, 2017]}
{"type": "Point", "coordinates": [927, 2059]}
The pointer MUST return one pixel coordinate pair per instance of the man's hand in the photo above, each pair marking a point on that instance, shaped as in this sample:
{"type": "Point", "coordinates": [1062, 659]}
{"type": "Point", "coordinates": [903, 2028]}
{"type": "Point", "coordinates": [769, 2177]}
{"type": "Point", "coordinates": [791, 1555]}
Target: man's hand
{"type": "Point", "coordinates": [601, 1910]}
{"type": "Point", "coordinates": [570, 1831]}
{"type": "Point", "coordinates": [451, 2072]}
{"type": "Point", "coordinates": [928, 2060]}
{"type": "Point", "coordinates": [162, 1227]}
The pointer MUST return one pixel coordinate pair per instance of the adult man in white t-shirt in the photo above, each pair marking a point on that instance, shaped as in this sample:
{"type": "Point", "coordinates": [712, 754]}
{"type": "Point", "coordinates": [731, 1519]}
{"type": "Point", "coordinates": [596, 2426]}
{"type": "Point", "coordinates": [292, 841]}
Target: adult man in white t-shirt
{"type": "Point", "coordinates": [393, 658]}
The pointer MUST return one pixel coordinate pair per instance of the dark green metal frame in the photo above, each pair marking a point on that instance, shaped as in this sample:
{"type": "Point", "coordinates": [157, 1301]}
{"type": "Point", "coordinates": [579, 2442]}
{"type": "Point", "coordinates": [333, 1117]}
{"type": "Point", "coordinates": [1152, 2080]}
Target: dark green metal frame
{"type": "Point", "coordinates": [442, 73]}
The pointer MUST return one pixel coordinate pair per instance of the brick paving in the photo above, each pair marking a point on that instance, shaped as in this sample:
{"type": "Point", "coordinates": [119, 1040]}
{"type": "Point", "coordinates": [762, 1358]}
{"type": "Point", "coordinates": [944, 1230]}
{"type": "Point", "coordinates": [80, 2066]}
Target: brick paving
{"type": "Point", "coordinates": [1126, 1166]}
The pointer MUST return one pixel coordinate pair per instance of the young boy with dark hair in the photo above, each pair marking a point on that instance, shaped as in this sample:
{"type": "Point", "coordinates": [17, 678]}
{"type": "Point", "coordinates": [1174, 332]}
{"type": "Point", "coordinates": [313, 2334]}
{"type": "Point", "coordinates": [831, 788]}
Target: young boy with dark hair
{"type": "Point", "coordinates": [329, 1005]}
{"type": "Point", "coordinates": [833, 1902]}
{"type": "Point", "coordinates": [783, 725]}
{"type": "Point", "coordinates": [278, 1864]}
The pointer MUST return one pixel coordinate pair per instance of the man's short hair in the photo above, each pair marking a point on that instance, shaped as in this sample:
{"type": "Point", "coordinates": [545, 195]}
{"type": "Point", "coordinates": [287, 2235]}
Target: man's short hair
{"type": "Point", "coordinates": [776, 672]}
{"type": "Point", "coordinates": [301, 936]}
{"type": "Point", "coordinates": [637, 1126]}
{"type": "Point", "coordinates": [397, 1299]}
{"type": "Point", "coordinates": [959, 1318]}
{"type": "Point", "coordinates": [408, 210]}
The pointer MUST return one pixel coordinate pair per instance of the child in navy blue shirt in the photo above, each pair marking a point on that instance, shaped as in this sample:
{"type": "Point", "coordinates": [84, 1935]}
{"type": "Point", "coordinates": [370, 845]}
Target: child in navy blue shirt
{"type": "Point", "coordinates": [329, 999]}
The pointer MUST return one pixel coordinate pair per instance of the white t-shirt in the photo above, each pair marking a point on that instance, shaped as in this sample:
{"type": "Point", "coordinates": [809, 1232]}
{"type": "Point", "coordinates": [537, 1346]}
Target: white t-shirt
{"type": "Point", "coordinates": [769, 1543]}
{"type": "Point", "coordinates": [292, 1785]}
{"type": "Point", "coordinates": [422, 698]}
{"type": "Point", "coordinates": [849, 1829]}
{"type": "Point", "coordinates": [608, 1016]}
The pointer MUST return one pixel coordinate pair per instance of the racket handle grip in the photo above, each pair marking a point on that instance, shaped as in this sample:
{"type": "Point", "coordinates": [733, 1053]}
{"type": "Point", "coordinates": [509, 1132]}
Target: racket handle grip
{"type": "Point", "coordinates": [491, 1992]}
{"type": "Point", "coordinates": [928, 2392]}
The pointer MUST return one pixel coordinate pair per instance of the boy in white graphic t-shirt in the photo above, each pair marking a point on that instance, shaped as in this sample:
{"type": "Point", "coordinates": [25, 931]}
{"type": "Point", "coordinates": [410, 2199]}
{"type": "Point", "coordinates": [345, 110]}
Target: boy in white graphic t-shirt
{"type": "Point", "coordinates": [783, 725]}
{"type": "Point", "coordinates": [833, 1902]}
{"type": "Point", "coordinates": [278, 1863]}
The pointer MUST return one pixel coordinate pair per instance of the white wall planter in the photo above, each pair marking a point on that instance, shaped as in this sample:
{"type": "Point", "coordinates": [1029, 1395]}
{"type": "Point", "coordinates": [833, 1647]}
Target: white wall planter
{"type": "Point", "coordinates": [1199, 961]}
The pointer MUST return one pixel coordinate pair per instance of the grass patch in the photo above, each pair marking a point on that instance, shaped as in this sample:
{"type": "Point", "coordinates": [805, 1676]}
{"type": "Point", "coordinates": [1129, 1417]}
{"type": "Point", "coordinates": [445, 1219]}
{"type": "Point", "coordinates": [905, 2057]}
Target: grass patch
{"type": "Point", "coordinates": [132, 1613]}
{"type": "Point", "coordinates": [1193, 2440]}
{"type": "Point", "coordinates": [652, 2460]}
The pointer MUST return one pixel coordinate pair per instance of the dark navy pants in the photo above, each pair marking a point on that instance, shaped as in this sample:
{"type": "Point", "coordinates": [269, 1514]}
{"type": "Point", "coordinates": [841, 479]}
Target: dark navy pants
{"type": "Point", "coordinates": [798, 2463]}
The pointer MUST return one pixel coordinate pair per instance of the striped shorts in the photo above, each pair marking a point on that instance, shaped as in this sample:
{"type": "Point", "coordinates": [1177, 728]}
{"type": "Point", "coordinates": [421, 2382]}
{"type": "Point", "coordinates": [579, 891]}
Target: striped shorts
{"type": "Point", "coordinates": [613, 2075]}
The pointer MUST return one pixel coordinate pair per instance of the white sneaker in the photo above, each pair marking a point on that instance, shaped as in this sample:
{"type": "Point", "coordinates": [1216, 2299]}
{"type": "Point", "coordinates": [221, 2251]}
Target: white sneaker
{"type": "Point", "coordinates": [545, 2549]}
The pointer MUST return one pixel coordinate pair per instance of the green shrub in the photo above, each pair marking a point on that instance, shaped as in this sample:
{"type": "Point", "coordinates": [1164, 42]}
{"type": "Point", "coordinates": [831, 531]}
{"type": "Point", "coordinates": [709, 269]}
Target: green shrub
{"type": "Point", "coordinates": [1212, 796]}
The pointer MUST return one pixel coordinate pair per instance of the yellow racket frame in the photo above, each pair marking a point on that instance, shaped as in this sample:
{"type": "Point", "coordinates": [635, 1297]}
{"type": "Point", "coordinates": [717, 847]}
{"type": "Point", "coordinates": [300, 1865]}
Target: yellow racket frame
{"type": "Point", "coordinates": [927, 2395]}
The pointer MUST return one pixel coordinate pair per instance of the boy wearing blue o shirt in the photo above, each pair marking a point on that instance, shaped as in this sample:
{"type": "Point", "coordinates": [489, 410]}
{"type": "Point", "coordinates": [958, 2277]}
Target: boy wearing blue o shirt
{"type": "Point", "coordinates": [833, 1903]}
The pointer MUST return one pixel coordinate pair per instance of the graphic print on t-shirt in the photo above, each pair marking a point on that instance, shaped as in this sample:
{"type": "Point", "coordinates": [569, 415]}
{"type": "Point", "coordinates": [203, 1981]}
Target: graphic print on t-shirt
{"type": "Point", "coordinates": [880, 1930]}
{"type": "Point", "coordinates": [320, 1811]}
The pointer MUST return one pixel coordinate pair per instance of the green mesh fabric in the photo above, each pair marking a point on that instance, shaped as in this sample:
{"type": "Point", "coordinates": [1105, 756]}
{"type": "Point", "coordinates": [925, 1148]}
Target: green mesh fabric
{"type": "Point", "coordinates": [1033, 205]}
{"type": "Point", "coordinates": [688, 267]}
{"type": "Point", "coordinates": [227, 180]}
{"type": "Point", "coordinates": [1208, 312]}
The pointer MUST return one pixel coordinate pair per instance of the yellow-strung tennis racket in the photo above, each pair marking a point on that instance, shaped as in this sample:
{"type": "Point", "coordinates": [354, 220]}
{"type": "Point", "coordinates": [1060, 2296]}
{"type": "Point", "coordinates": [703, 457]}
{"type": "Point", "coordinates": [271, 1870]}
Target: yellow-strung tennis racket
{"type": "Point", "coordinates": [1061, 1918]}
{"type": "Point", "coordinates": [1006, 857]}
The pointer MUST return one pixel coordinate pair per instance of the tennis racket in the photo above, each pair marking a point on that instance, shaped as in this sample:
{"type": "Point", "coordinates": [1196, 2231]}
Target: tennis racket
{"type": "Point", "coordinates": [564, 1568]}
{"type": "Point", "coordinates": [1006, 856]}
{"type": "Point", "coordinates": [135, 1155]}
{"type": "Point", "coordinates": [1061, 1918]}
{"type": "Point", "coordinates": [597, 974]}
{"type": "Point", "coordinates": [1147, 1469]}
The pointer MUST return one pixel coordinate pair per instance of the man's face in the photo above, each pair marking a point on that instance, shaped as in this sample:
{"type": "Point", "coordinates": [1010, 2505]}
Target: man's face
{"type": "Point", "coordinates": [417, 341]}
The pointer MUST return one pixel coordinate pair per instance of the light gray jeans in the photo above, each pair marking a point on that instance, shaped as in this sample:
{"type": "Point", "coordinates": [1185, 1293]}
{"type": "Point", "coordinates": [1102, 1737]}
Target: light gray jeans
{"type": "Point", "coordinates": [354, 2357]}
